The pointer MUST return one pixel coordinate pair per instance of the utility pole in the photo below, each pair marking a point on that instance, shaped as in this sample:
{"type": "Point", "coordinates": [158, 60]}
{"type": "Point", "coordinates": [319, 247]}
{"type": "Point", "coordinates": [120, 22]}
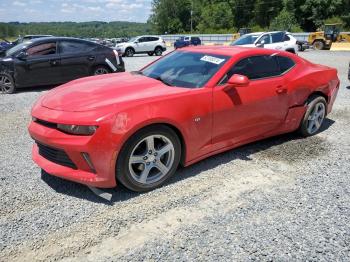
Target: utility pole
{"type": "Point", "coordinates": [191, 15]}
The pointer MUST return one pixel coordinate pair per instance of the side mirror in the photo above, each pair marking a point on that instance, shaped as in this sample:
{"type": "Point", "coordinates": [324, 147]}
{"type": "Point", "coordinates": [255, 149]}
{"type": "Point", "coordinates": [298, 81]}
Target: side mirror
{"type": "Point", "coordinates": [136, 42]}
{"type": "Point", "coordinates": [260, 44]}
{"type": "Point", "coordinates": [22, 55]}
{"type": "Point", "coordinates": [238, 80]}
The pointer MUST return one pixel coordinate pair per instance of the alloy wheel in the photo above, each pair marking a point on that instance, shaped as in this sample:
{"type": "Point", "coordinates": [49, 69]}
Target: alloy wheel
{"type": "Point", "coordinates": [5, 84]}
{"type": "Point", "coordinates": [316, 118]}
{"type": "Point", "coordinates": [151, 159]}
{"type": "Point", "coordinates": [101, 71]}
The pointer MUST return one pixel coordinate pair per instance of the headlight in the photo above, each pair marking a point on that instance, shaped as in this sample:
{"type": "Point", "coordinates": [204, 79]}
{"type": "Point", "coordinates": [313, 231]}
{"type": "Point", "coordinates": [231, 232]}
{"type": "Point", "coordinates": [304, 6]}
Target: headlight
{"type": "Point", "coordinates": [77, 130]}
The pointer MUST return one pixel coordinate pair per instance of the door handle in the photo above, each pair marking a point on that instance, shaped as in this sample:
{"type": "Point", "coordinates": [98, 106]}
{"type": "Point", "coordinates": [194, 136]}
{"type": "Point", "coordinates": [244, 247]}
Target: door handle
{"type": "Point", "coordinates": [90, 58]}
{"type": "Point", "coordinates": [54, 62]}
{"type": "Point", "coordinates": [281, 90]}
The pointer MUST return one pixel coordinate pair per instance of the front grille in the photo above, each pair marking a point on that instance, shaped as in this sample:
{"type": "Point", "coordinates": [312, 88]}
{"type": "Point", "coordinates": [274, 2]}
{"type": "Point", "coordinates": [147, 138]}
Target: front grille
{"type": "Point", "coordinates": [55, 155]}
{"type": "Point", "coordinates": [45, 123]}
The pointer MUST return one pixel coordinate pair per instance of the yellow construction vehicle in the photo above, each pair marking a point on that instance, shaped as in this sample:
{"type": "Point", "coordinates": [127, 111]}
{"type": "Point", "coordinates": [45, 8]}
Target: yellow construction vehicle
{"type": "Point", "coordinates": [241, 31]}
{"type": "Point", "coordinates": [331, 34]}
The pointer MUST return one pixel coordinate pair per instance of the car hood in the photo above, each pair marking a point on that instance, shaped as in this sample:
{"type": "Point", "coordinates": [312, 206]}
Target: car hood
{"type": "Point", "coordinates": [106, 90]}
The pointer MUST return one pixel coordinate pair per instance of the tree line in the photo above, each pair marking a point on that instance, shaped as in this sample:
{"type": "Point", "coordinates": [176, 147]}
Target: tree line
{"type": "Point", "coordinates": [83, 29]}
{"type": "Point", "coordinates": [227, 16]}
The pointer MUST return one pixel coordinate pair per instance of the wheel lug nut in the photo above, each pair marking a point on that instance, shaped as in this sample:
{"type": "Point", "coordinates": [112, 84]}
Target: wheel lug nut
{"type": "Point", "coordinates": [150, 152]}
{"type": "Point", "coordinates": [155, 153]}
{"type": "Point", "coordinates": [145, 158]}
{"type": "Point", "coordinates": [148, 163]}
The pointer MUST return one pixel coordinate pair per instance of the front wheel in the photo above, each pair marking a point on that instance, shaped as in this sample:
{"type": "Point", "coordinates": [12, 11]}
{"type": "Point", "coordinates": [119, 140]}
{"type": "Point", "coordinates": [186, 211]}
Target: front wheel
{"type": "Point", "coordinates": [148, 158]}
{"type": "Point", "coordinates": [7, 85]}
{"type": "Point", "coordinates": [318, 45]}
{"type": "Point", "coordinates": [129, 52]}
{"type": "Point", "coordinates": [314, 116]}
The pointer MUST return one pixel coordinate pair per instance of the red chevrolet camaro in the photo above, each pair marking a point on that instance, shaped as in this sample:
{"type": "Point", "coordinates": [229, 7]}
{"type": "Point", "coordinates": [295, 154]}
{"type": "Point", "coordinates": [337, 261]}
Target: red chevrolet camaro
{"type": "Point", "coordinates": [137, 127]}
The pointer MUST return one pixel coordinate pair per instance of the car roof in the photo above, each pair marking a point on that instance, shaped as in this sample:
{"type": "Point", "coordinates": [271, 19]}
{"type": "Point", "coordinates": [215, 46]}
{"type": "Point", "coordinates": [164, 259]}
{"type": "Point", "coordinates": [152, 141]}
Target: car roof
{"type": "Point", "coordinates": [233, 50]}
{"type": "Point", "coordinates": [254, 34]}
{"type": "Point", "coordinates": [57, 38]}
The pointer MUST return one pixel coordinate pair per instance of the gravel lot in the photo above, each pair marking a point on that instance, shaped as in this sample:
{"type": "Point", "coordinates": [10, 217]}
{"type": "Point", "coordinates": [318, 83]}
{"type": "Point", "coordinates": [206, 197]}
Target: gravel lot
{"type": "Point", "coordinates": [284, 198]}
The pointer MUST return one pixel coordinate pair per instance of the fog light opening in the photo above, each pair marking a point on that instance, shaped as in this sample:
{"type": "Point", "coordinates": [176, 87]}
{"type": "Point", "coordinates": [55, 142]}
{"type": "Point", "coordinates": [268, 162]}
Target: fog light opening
{"type": "Point", "coordinates": [89, 162]}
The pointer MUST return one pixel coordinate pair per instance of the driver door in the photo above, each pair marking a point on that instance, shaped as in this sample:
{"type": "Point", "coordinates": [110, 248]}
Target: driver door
{"type": "Point", "coordinates": [243, 113]}
{"type": "Point", "coordinates": [40, 67]}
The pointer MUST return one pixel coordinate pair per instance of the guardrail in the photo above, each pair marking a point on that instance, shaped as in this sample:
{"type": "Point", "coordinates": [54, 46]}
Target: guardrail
{"type": "Point", "coordinates": [221, 38]}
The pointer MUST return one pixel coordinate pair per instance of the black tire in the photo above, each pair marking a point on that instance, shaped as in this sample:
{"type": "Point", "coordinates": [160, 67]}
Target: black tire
{"type": "Point", "coordinates": [150, 53]}
{"type": "Point", "coordinates": [123, 173]}
{"type": "Point", "coordinates": [312, 103]}
{"type": "Point", "coordinates": [318, 45]}
{"type": "Point", "coordinates": [129, 52]}
{"type": "Point", "coordinates": [101, 70]}
{"type": "Point", "coordinates": [300, 48]}
{"type": "Point", "coordinates": [7, 84]}
{"type": "Point", "coordinates": [158, 51]}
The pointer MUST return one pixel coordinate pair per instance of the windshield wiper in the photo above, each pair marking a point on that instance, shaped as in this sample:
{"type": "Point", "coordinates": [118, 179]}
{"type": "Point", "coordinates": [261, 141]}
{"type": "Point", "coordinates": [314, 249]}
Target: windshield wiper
{"type": "Point", "coordinates": [136, 72]}
{"type": "Point", "coordinates": [159, 78]}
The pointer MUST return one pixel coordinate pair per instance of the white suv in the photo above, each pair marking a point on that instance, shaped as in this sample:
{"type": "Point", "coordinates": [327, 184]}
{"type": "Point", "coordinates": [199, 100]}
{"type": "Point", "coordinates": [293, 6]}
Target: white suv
{"type": "Point", "coordinates": [147, 44]}
{"type": "Point", "coordinates": [272, 40]}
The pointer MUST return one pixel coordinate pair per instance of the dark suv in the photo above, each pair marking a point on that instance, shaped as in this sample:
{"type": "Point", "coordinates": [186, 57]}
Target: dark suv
{"type": "Point", "coordinates": [187, 41]}
{"type": "Point", "coordinates": [55, 60]}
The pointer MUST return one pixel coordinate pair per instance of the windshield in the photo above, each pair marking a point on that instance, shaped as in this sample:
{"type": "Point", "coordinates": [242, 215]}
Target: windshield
{"type": "Point", "coordinates": [132, 39]}
{"type": "Point", "coordinates": [185, 69]}
{"type": "Point", "coordinates": [16, 48]}
{"type": "Point", "coordinates": [246, 40]}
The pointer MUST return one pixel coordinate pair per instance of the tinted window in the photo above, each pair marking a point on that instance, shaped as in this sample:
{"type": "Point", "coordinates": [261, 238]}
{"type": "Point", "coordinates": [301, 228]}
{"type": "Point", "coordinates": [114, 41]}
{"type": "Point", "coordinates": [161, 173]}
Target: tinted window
{"type": "Point", "coordinates": [185, 69]}
{"type": "Point", "coordinates": [266, 39]}
{"type": "Point", "coordinates": [143, 39]}
{"type": "Point", "coordinates": [245, 40]}
{"type": "Point", "coordinates": [72, 47]}
{"type": "Point", "coordinates": [42, 49]}
{"type": "Point", "coordinates": [286, 38]}
{"type": "Point", "coordinates": [278, 37]}
{"type": "Point", "coordinates": [153, 38]}
{"type": "Point", "coordinates": [285, 63]}
{"type": "Point", "coordinates": [255, 67]}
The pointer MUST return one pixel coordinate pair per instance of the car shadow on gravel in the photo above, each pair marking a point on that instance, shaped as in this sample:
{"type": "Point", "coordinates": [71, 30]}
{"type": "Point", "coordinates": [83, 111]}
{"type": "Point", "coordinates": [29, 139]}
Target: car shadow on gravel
{"type": "Point", "coordinates": [278, 144]}
{"type": "Point", "coordinates": [34, 89]}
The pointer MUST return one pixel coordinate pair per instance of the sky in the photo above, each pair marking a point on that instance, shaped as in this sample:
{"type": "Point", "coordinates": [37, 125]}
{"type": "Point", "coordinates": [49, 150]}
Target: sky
{"type": "Point", "coordinates": [74, 10]}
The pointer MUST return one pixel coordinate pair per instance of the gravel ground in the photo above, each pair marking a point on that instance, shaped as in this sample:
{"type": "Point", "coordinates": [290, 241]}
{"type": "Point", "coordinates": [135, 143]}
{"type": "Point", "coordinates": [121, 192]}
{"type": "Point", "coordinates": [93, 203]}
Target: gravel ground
{"type": "Point", "coordinates": [284, 198]}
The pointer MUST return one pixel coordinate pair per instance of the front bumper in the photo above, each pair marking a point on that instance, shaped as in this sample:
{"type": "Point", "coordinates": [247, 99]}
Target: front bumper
{"type": "Point", "coordinates": [101, 152]}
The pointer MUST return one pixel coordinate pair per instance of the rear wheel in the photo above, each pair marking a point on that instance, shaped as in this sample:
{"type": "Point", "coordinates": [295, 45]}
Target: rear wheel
{"type": "Point", "coordinates": [7, 85]}
{"type": "Point", "coordinates": [101, 70]}
{"type": "Point", "coordinates": [129, 52]}
{"type": "Point", "coordinates": [314, 116]}
{"type": "Point", "coordinates": [158, 51]}
{"type": "Point", "coordinates": [150, 53]}
{"type": "Point", "coordinates": [148, 158]}
{"type": "Point", "coordinates": [318, 45]}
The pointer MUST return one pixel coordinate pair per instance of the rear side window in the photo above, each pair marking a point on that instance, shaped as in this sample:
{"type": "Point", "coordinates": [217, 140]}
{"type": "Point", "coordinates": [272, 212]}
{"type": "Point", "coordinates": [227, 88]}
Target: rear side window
{"type": "Point", "coordinates": [286, 38]}
{"type": "Point", "coordinates": [285, 63]}
{"type": "Point", "coordinates": [42, 49]}
{"type": "Point", "coordinates": [266, 39]}
{"type": "Point", "coordinates": [73, 47]}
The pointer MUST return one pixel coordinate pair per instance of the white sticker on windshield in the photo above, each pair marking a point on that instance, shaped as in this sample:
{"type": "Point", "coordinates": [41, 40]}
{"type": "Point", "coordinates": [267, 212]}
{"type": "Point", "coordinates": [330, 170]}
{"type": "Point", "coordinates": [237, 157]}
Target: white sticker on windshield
{"type": "Point", "coordinates": [212, 59]}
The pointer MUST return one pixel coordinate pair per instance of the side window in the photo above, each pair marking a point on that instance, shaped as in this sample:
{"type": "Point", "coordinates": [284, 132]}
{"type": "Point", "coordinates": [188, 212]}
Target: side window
{"type": "Point", "coordinates": [255, 67]}
{"type": "Point", "coordinates": [277, 37]}
{"type": "Point", "coordinates": [285, 63]}
{"type": "Point", "coordinates": [143, 39]}
{"type": "Point", "coordinates": [266, 39]}
{"type": "Point", "coordinates": [187, 39]}
{"type": "Point", "coordinates": [42, 49]}
{"type": "Point", "coordinates": [73, 47]}
{"type": "Point", "coordinates": [153, 38]}
{"type": "Point", "coordinates": [286, 38]}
